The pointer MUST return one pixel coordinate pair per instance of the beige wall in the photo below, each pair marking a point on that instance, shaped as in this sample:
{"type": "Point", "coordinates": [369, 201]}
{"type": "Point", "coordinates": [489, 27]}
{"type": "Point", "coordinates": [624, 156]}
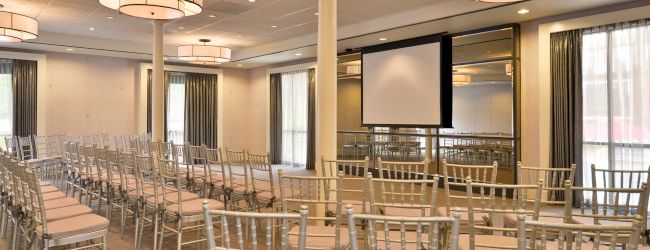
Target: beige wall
{"type": "Point", "coordinates": [236, 110]}
{"type": "Point", "coordinates": [74, 82]}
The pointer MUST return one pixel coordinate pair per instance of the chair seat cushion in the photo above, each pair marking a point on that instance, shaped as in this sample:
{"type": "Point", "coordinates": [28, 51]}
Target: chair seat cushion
{"type": "Point", "coordinates": [464, 216]}
{"type": "Point", "coordinates": [195, 207]}
{"type": "Point", "coordinates": [77, 225]}
{"type": "Point", "coordinates": [48, 189]}
{"type": "Point", "coordinates": [66, 212]}
{"type": "Point", "coordinates": [53, 196]}
{"type": "Point", "coordinates": [489, 242]}
{"type": "Point", "coordinates": [63, 202]}
{"type": "Point", "coordinates": [186, 196]}
{"type": "Point", "coordinates": [325, 242]}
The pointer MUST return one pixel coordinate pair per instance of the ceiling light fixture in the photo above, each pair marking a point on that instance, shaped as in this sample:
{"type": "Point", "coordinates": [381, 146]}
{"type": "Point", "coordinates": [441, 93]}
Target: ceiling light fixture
{"type": "Point", "coordinates": [298, 54]}
{"type": "Point", "coordinates": [212, 16]}
{"type": "Point", "coordinates": [156, 9]}
{"type": "Point", "coordinates": [499, 1]}
{"type": "Point", "coordinates": [240, 65]}
{"type": "Point", "coordinates": [316, 13]}
{"type": "Point", "coordinates": [69, 49]}
{"type": "Point", "coordinates": [252, 1]}
{"type": "Point", "coordinates": [383, 39]}
{"type": "Point", "coordinates": [91, 28]}
{"type": "Point", "coordinates": [274, 26]}
{"type": "Point", "coordinates": [523, 11]}
{"type": "Point", "coordinates": [461, 80]}
{"type": "Point", "coordinates": [17, 27]}
{"type": "Point", "coordinates": [204, 53]}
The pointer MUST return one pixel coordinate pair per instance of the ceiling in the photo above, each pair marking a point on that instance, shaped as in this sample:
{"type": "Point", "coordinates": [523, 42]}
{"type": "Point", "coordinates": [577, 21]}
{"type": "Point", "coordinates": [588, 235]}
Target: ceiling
{"type": "Point", "coordinates": [247, 27]}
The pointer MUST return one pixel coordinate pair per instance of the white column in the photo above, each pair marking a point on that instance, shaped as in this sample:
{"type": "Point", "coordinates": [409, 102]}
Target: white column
{"type": "Point", "coordinates": [326, 87]}
{"type": "Point", "coordinates": [326, 83]}
{"type": "Point", "coordinates": [157, 82]}
{"type": "Point", "coordinates": [428, 146]}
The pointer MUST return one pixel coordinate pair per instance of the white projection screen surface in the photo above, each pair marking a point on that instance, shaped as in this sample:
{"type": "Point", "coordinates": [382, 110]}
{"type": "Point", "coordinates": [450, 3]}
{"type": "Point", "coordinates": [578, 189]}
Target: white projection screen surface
{"type": "Point", "coordinates": [402, 86]}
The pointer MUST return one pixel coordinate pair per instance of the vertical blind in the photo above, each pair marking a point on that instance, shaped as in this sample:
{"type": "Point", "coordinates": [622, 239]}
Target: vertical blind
{"type": "Point", "coordinates": [295, 96]}
{"type": "Point", "coordinates": [616, 86]}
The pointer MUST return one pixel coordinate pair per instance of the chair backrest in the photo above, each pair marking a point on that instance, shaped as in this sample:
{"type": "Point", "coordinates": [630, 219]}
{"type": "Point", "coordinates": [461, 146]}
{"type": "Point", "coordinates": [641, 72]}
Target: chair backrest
{"type": "Point", "coordinates": [261, 175]}
{"type": "Point", "coordinates": [153, 147]}
{"type": "Point", "coordinates": [216, 168]}
{"type": "Point", "coordinates": [166, 150]}
{"type": "Point", "coordinates": [412, 196]}
{"type": "Point", "coordinates": [357, 169]}
{"type": "Point", "coordinates": [54, 145]}
{"type": "Point", "coordinates": [147, 178]}
{"type": "Point", "coordinates": [40, 146]}
{"type": "Point", "coordinates": [180, 153]}
{"type": "Point", "coordinates": [429, 231]}
{"type": "Point", "coordinates": [196, 159]}
{"type": "Point", "coordinates": [455, 177]}
{"type": "Point", "coordinates": [253, 219]}
{"type": "Point", "coordinates": [143, 147]}
{"type": "Point", "coordinates": [402, 170]}
{"type": "Point", "coordinates": [87, 140]}
{"type": "Point", "coordinates": [494, 201]}
{"type": "Point", "coordinates": [571, 236]}
{"type": "Point", "coordinates": [314, 192]}
{"type": "Point", "coordinates": [599, 205]}
{"type": "Point", "coordinates": [553, 180]}
{"type": "Point", "coordinates": [617, 178]}
{"type": "Point", "coordinates": [26, 148]}
{"type": "Point", "coordinates": [171, 183]}
{"type": "Point", "coordinates": [128, 172]}
{"type": "Point", "coordinates": [237, 169]}
{"type": "Point", "coordinates": [11, 145]}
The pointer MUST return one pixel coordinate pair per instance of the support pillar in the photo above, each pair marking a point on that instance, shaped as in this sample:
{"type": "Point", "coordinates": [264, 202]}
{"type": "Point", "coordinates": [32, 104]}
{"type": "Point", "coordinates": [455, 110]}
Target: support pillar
{"type": "Point", "coordinates": [158, 82]}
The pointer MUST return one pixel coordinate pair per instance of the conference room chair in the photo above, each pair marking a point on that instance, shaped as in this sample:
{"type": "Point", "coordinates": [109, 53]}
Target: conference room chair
{"type": "Point", "coordinates": [402, 197]}
{"type": "Point", "coordinates": [431, 232]}
{"type": "Point", "coordinates": [196, 168]}
{"type": "Point", "coordinates": [264, 188]}
{"type": "Point", "coordinates": [402, 170]}
{"type": "Point", "coordinates": [493, 203]}
{"type": "Point", "coordinates": [322, 232]}
{"type": "Point", "coordinates": [238, 179]}
{"type": "Point", "coordinates": [215, 174]}
{"type": "Point", "coordinates": [355, 172]}
{"type": "Point", "coordinates": [184, 212]}
{"type": "Point", "coordinates": [454, 181]}
{"type": "Point", "coordinates": [265, 221]}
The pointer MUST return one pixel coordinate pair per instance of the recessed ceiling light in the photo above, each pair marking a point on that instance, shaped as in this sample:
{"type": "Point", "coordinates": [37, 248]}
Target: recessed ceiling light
{"type": "Point", "coordinates": [69, 49]}
{"type": "Point", "coordinates": [499, 1]}
{"type": "Point", "coordinates": [212, 16]}
{"type": "Point", "coordinates": [298, 54]}
{"type": "Point", "coordinates": [383, 39]}
{"type": "Point", "coordinates": [110, 17]}
{"type": "Point", "coordinates": [523, 11]}
{"type": "Point", "coordinates": [181, 28]}
{"type": "Point", "coordinates": [252, 1]}
{"type": "Point", "coordinates": [91, 28]}
{"type": "Point", "coordinates": [240, 65]}
{"type": "Point", "coordinates": [488, 51]}
{"type": "Point", "coordinates": [316, 13]}
{"type": "Point", "coordinates": [274, 26]}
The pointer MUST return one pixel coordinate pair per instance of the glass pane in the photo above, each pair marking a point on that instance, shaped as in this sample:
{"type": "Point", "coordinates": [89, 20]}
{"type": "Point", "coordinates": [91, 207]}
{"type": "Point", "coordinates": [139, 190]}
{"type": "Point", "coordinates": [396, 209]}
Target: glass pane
{"type": "Point", "coordinates": [295, 86]}
{"type": "Point", "coordinates": [482, 46]}
{"type": "Point", "coordinates": [176, 108]}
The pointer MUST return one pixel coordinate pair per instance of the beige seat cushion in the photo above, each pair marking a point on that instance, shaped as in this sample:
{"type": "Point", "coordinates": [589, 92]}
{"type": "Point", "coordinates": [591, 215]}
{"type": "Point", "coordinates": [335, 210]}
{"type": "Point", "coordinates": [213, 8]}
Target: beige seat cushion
{"type": "Point", "coordinates": [195, 207]}
{"type": "Point", "coordinates": [357, 207]}
{"type": "Point", "coordinates": [402, 211]}
{"type": "Point", "coordinates": [45, 183]}
{"type": "Point", "coordinates": [53, 196]}
{"type": "Point", "coordinates": [464, 216]}
{"type": "Point", "coordinates": [48, 189]}
{"type": "Point", "coordinates": [489, 240]}
{"type": "Point", "coordinates": [63, 202]}
{"type": "Point", "coordinates": [320, 242]}
{"type": "Point", "coordinates": [187, 196]}
{"type": "Point", "coordinates": [77, 225]}
{"type": "Point", "coordinates": [66, 212]}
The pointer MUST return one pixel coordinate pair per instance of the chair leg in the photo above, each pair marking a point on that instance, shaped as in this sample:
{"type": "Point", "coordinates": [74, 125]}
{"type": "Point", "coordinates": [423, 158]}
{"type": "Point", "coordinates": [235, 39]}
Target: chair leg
{"type": "Point", "coordinates": [104, 243]}
{"type": "Point", "coordinates": [155, 229]}
{"type": "Point", "coordinates": [179, 236]}
{"type": "Point", "coordinates": [123, 218]}
{"type": "Point", "coordinates": [14, 235]}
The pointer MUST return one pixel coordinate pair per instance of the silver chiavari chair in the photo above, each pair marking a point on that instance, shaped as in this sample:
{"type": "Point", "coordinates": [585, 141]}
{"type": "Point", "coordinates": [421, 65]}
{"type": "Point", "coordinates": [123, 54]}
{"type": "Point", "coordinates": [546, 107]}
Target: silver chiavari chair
{"type": "Point", "coordinates": [493, 201]}
{"type": "Point", "coordinates": [129, 190]}
{"type": "Point", "coordinates": [26, 148]}
{"type": "Point", "coordinates": [606, 206]}
{"type": "Point", "coordinates": [402, 197]}
{"type": "Point", "coordinates": [402, 170]}
{"type": "Point", "coordinates": [577, 236]}
{"type": "Point", "coordinates": [264, 188]}
{"type": "Point", "coordinates": [11, 145]}
{"type": "Point", "coordinates": [182, 210]}
{"type": "Point", "coordinates": [454, 178]}
{"type": "Point", "coordinates": [430, 233]}
{"type": "Point", "coordinates": [253, 219]}
{"type": "Point", "coordinates": [197, 164]}
{"type": "Point", "coordinates": [215, 174]}
{"type": "Point", "coordinates": [356, 171]}
{"type": "Point", "coordinates": [238, 179]}
{"type": "Point", "coordinates": [315, 192]}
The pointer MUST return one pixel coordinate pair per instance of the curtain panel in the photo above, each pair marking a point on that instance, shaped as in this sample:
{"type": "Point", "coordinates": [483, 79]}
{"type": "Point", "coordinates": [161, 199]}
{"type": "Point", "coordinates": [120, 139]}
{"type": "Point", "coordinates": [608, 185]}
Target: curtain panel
{"type": "Point", "coordinates": [149, 108]}
{"type": "Point", "coordinates": [566, 104]}
{"type": "Point", "coordinates": [201, 109]}
{"type": "Point", "coordinates": [311, 121]}
{"type": "Point", "coordinates": [276, 118]}
{"type": "Point", "coordinates": [25, 97]}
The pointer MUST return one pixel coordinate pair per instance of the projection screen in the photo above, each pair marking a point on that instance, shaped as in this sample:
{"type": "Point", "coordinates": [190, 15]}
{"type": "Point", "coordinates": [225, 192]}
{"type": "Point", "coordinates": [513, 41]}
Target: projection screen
{"type": "Point", "coordinates": [402, 84]}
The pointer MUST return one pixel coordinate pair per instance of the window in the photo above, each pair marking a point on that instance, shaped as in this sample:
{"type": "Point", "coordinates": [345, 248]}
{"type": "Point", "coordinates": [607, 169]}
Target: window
{"type": "Point", "coordinates": [616, 107]}
{"type": "Point", "coordinates": [295, 86]}
{"type": "Point", "coordinates": [176, 108]}
{"type": "Point", "coordinates": [6, 100]}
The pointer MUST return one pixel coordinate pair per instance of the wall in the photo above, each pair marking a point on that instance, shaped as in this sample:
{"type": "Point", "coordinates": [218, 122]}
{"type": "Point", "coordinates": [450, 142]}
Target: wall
{"type": "Point", "coordinates": [483, 108]}
{"type": "Point", "coordinates": [74, 81]}
{"type": "Point", "coordinates": [349, 104]}
{"type": "Point", "coordinates": [236, 111]}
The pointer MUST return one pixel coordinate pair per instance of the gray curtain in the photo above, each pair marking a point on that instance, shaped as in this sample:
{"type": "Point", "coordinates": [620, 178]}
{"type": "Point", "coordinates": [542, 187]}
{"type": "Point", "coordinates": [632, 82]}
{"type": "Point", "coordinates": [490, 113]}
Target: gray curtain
{"type": "Point", "coordinates": [311, 121]}
{"type": "Point", "coordinates": [25, 97]}
{"type": "Point", "coordinates": [201, 109]}
{"type": "Point", "coordinates": [566, 102]}
{"type": "Point", "coordinates": [276, 118]}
